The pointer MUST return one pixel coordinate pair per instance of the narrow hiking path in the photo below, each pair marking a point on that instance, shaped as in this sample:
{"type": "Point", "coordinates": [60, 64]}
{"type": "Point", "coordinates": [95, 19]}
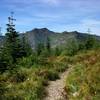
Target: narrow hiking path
{"type": "Point", "coordinates": [55, 89]}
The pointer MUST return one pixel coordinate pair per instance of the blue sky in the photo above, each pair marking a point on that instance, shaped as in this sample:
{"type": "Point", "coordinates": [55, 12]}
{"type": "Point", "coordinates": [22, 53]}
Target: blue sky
{"type": "Point", "coordinates": [56, 15]}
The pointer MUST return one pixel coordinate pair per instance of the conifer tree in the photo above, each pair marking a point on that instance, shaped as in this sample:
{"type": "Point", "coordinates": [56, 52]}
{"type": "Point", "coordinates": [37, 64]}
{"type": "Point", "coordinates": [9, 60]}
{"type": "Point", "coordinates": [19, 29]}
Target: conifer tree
{"type": "Point", "coordinates": [39, 48]}
{"type": "Point", "coordinates": [25, 47]}
{"type": "Point", "coordinates": [13, 47]}
{"type": "Point", "coordinates": [90, 42]}
{"type": "Point", "coordinates": [57, 51]}
{"type": "Point", "coordinates": [12, 44]}
{"type": "Point", "coordinates": [8, 51]}
{"type": "Point", "coordinates": [48, 46]}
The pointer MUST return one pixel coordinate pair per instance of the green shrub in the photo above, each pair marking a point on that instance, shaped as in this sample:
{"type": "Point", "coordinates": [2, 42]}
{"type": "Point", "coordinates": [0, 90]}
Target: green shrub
{"type": "Point", "coordinates": [52, 75]}
{"type": "Point", "coordinates": [60, 67]}
{"type": "Point", "coordinates": [18, 77]}
{"type": "Point", "coordinates": [48, 74]}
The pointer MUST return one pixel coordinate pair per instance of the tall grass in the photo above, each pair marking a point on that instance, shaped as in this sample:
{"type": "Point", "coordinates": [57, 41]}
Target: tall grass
{"type": "Point", "coordinates": [83, 82]}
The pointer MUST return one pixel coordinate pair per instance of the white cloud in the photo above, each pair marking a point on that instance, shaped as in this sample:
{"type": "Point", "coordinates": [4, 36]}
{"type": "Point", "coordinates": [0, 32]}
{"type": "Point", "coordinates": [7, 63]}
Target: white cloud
{"type": "Point", "coordinates": [54, 2]}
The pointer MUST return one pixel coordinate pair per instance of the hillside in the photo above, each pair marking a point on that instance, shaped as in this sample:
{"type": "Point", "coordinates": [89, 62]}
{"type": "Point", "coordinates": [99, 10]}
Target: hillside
{"type": "Point", "coordinates": [50, 50]}
{"type": "Point", "coordinates": [45, 73]}
{"type": "Point", "coordinates": [36, 36]}
{"type": "Point", "coordinates": [34, 81]}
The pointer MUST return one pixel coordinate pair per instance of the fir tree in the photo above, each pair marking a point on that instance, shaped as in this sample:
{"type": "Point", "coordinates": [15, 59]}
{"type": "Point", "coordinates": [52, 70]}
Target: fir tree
{"type": "Point", "coordinates": [10, 50]}
{"type": "Point", "coordinates": [12, 44]}
{"type": "Point", "coordinates": [48, 46]}
{"type": "Point", "coordinates": [25, 47]}
{"type": "Point", "coordinates": [13, 47]}
{"type": "Point", "coordinates": [40, 48]}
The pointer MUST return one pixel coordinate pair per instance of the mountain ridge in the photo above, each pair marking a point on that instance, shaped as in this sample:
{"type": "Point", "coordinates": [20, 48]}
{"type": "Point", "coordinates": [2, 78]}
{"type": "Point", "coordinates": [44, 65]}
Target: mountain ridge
{"type": "Point", "coordinates": [36, 36]}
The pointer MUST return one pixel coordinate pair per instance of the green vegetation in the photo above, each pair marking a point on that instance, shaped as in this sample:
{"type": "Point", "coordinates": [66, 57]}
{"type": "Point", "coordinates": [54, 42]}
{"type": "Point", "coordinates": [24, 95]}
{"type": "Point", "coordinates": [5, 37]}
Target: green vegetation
{"type": "Point", "coordinates": [83, 82]}
{"type": "Point", "coordinates": [28, 82]}
{"type": "Point", "coordinates": [13, 49]}
{"type": "Point", "coordinates": [24, 73]}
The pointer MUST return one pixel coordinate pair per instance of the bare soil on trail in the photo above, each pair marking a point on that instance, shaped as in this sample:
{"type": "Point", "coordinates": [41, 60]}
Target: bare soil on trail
{"type": "Point", "coordinates": [55, 89]}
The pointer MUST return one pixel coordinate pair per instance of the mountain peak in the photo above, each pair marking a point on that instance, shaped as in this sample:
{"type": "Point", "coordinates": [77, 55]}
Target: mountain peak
{"type": "Point", "coordinates": [40, 29]}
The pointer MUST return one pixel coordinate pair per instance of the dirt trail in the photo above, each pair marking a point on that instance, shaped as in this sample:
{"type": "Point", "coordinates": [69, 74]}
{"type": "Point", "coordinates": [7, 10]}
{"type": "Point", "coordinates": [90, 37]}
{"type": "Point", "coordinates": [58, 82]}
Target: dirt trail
{"type": "Point", "coordinates": [55, 89]}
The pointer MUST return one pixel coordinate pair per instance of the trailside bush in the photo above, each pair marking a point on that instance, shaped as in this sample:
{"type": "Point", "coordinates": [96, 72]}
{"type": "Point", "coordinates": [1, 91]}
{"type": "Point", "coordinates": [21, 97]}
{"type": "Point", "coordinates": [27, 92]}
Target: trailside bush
{"type": "Point", "coordinates": [52, 75]}
{"type": "Point", "coordinates": [18, 77]}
